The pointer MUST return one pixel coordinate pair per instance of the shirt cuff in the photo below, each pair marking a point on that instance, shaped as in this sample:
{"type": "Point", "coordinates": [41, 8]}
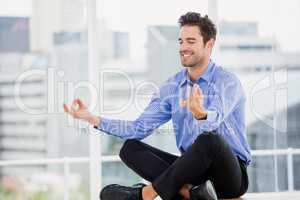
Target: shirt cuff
{"type": "Point", "coordinates": [210, 116]}
{"type": "Point", "coordinates": [103, 125]}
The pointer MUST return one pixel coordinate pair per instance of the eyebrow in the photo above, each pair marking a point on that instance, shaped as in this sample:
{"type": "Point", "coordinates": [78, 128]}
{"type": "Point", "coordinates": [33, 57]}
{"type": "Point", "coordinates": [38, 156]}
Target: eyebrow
{"type": "Point", "coordinates": [189, 39]}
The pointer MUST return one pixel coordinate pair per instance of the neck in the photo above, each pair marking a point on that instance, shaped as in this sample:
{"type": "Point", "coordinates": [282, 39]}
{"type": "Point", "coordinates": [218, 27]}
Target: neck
{"type": "Point", "coordinates": [196, 71]}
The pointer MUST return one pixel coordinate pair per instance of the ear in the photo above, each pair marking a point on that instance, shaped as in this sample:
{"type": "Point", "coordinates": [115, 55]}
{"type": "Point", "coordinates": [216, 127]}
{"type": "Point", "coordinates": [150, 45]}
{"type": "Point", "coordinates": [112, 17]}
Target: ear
{"type": "Point", "coordinates": [210, 43]}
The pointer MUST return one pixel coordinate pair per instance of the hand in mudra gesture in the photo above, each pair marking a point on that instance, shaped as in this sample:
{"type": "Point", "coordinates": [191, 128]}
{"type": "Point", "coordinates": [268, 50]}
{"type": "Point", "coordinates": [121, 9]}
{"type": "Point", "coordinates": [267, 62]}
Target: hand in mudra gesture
{"type": "Point", "coordinates": [194, 103]}
{"type": "Point", "coordinates": [79, 110]}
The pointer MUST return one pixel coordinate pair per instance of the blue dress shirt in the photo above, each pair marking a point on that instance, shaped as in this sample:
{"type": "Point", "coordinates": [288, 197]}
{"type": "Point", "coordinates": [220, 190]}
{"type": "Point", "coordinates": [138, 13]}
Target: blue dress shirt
{"type": "Point", "coordinates": [224, 102]}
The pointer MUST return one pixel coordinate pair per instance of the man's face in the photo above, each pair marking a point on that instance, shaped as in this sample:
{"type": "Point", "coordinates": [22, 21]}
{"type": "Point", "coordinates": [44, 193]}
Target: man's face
{"type": "Point", "coordinates": [191, 48]}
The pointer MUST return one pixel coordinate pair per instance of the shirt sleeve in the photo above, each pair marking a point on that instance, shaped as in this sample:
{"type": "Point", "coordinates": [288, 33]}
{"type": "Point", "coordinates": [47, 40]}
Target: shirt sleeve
{"type": "Point", "coordinates": [224, 99]}
{"type": "Point", "coordinates": [155, 114]}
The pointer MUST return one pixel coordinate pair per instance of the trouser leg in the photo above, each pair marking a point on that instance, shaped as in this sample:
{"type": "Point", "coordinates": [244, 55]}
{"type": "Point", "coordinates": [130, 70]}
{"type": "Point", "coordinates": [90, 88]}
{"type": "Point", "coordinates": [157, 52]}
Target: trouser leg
{"type": "Point", "coordinates": [145, 160]}
{"type": "Point", "coordinates": [209, 157]}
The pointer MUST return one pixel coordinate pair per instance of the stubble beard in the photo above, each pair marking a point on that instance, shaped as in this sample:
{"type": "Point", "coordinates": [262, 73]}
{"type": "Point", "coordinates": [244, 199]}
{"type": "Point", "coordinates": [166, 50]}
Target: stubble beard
{"type": "Point", "coordinates": [193, 64]}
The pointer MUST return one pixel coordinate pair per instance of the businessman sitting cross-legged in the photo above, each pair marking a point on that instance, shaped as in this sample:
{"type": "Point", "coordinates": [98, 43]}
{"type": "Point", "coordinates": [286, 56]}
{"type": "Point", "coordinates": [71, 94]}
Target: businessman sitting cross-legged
{"type": "Point", "coordinates": [207, 106]}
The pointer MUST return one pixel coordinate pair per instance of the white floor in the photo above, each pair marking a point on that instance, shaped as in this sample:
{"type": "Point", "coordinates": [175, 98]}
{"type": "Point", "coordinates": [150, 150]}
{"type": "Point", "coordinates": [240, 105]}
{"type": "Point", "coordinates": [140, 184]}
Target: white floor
{"type": "Point", "coordinates": [272, 196]}
{"type": "Point", "coordinates": [268, 196]}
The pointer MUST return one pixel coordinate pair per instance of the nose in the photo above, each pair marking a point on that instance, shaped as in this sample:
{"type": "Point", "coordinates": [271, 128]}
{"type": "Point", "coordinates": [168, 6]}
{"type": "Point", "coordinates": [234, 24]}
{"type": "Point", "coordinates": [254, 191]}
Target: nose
{"type": "Point", "coordinates": [183, 47]}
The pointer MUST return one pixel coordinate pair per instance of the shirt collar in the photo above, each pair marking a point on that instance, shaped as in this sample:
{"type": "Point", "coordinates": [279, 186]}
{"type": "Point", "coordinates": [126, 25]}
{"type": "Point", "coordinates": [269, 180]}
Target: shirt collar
{"type": "Point", "coordinates": [205, 76]}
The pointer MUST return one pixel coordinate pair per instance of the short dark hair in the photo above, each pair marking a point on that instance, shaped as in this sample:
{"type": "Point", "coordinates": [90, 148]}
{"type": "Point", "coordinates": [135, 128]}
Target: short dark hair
{"type": "Point", "coordinates": [207, 27]}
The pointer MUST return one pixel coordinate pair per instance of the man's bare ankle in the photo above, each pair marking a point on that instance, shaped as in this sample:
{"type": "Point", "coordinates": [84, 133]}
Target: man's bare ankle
{"type": "Point", "coordinates": [148, 193]}
{"type": "Point", "coordinates": [185, 191]}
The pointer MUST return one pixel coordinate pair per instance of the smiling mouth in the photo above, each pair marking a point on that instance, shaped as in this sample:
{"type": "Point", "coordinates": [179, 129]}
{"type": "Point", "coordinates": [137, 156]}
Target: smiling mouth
{"type": "Point", "coordinates": [186, 55]}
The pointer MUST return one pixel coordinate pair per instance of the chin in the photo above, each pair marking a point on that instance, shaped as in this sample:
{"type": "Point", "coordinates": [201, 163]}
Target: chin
{"type": "Point", "coordinates": [187, 65]}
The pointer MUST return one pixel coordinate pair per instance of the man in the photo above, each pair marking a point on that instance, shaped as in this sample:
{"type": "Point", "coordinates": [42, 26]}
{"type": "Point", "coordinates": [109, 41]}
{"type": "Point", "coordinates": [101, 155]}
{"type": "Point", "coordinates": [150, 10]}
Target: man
{"type": "Point", "coordinates": [207, 107]}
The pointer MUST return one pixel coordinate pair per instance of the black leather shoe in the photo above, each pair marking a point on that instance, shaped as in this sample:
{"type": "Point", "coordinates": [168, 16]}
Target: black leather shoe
{"type": "Point", "coordinates": [119, 192]}
{"type": "Point", "coordinates": [205, 191]}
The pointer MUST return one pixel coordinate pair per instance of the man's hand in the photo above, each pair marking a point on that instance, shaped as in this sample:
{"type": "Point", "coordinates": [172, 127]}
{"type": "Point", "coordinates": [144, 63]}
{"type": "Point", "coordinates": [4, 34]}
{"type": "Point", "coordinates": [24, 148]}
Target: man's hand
{"type": "Point", "coordinates": [80, 111]}
{"type": "Point", "coordinates": [194, 103]}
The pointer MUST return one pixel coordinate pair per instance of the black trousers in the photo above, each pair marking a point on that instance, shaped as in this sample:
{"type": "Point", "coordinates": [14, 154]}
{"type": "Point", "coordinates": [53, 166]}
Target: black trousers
{"type": "Point", "coordinates": [208, 158]}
